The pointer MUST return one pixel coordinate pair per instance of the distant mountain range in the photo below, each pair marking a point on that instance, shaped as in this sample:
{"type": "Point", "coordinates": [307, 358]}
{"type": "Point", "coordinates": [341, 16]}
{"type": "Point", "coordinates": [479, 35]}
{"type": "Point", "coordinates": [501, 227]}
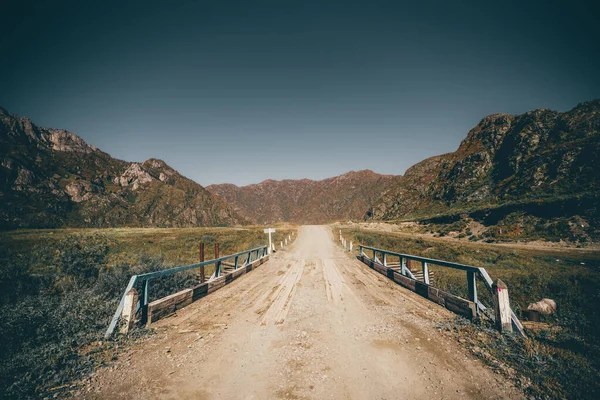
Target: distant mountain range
{"type": "Point", "coordinates": [542, 163]}
{"type": "Point", "coordinates": [52, 178]}
{"type": "Point", "coordinates": [305, 201]}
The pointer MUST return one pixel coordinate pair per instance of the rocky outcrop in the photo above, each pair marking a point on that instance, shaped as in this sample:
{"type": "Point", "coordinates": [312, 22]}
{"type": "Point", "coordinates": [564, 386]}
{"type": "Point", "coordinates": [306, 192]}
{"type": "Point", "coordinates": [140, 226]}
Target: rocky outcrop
{"type": "Point", "coordinates": [66, 141]}
{"type": "Point", "coordinates": [134, 176]}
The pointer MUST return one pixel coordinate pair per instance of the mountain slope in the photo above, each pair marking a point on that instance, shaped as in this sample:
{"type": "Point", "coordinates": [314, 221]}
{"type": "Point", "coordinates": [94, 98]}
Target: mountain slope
{"type": "Point", "coordinates": [541, 156]}
{"type": "Point", "coordinates": [52, 178]}
{"type": "Point", "coordinates": [306, 201]}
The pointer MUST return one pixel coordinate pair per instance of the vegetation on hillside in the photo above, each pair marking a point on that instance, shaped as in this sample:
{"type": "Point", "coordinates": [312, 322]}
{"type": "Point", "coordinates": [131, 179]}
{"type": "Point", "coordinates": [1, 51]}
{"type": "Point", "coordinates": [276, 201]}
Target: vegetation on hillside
{"type": "Point", "coordinates": [539, 168]}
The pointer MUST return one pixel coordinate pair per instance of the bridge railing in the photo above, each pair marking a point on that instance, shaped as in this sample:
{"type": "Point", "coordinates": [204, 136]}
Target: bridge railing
{"type": "Point", "coordinates": [239, 260]}
{"type": "Point", "coordinates": [380, 257]}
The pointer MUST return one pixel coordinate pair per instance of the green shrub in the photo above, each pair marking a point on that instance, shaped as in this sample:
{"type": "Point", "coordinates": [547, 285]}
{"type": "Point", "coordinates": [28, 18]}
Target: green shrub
{"type": "Point", "coordinates": [82, 256]}
{"type": "Point", "coordinates": [45, 323]}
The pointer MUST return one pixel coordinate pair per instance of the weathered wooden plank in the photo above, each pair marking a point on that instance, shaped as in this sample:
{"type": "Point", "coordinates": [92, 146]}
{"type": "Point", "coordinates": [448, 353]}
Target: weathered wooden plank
{"type": "Point", "coordinates": [168, 305]}
{"type": "Point", "coordinates": [199, 291]}
{"type": "Point", "coordinates": [453, 303]}
{"type": "Point", "coordinates": [433, 294]}
{"type": "Point", "coordinates": [216, 284]}
{"type": "Point", "coordinates": [128, 314]}
{"type": "Point", "coordinates": [404, 281]}
{"type": "Point", "coordinates": [502, 306]}
{"type": "Point", "coordinates": [238, 272]}
{"type": "Point", "coordinates": [459, 305]}
{"type": "Point", "coordinates": [422, 289]}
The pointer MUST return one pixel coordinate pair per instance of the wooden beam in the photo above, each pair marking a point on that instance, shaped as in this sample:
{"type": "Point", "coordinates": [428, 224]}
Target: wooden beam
{"type": "Point", "coordinates": [472, 286]}
{"type": "Point", "coordinates": [168, 305]}
{"type": "Point", "coordinates": [453, 303]}
{"type": "Point", "coordinates": [502, 306]}
{"type": "Point", "coordinates": [128, 314]}
{"type": "Point", "coordinates": [202, 271]}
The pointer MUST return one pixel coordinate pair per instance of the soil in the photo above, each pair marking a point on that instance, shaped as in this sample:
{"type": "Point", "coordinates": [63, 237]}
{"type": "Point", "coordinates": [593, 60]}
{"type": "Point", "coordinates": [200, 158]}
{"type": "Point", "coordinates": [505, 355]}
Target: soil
{"type": "Point", "coordinates": [311, 323]}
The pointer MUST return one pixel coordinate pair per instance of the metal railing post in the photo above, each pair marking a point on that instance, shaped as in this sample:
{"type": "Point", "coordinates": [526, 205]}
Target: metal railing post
{"type": "Point", "coordinates": [403, 266]}
{"type": "Point", "coordinates": [144, 300]}
{"type": "Point", "coordinates": [202, 270]}
{"type": "Point", "coordinates": [472, 286]}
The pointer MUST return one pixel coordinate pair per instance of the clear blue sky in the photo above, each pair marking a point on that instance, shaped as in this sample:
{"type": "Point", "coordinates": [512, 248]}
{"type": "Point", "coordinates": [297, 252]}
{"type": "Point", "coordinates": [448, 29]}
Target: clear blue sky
{"type": "Point", "coordinates": [244, 91]}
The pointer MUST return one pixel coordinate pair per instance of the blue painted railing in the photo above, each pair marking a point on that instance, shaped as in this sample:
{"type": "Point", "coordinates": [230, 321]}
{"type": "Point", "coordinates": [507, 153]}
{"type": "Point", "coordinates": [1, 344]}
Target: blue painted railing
{"type": "Point", "coordinates": [248, 256]}
{"type": "Point", "coordinates": [472, 274]}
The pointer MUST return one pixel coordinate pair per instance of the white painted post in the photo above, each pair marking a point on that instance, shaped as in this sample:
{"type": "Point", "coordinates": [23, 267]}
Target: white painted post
{"type": "Point", "coordinates": [270, 231]}
{"type": "Point", "coordinates": [281, 245]}
{"type": "Point", "coordinates": [351, 245]}
{"type": "Point", "coordinates": [502, 306]}
{"type": "Point", "coordinates": [290, 238]}
{"type": "Point", "coordinates": [286, 241]}
{"type": "Point", "coordinates": [425, 273]}
{"type": "Point", "coordinates": [128, 313]}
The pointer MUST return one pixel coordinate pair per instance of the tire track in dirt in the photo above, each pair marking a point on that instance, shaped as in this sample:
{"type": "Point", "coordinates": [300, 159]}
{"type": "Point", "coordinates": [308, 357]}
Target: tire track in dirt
{"type": "Point", "coordinates": [281, 298]}
{"type": "Point", "coordinates": [333, 282]}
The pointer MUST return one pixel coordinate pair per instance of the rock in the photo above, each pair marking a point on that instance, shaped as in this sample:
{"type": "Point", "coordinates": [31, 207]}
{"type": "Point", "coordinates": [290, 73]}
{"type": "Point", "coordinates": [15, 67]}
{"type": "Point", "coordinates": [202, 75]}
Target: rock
{"type": "Point", "coordinates": [134, 176]}
{"type": "Point", "coordinates": [544, 306]}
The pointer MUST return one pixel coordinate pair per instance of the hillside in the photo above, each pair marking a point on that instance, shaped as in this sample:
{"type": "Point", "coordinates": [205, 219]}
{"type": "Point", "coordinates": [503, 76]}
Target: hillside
{"type": "Point", "coordinates": [52, 178]}
{"type": "Point", "coordinates": [541, 165]}
{"type": "Point", "coordinates": [306, 201]}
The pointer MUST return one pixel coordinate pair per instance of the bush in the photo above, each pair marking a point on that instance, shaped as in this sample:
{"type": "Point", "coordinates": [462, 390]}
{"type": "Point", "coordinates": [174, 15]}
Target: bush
{"type": "Point", "coordinates": [82, 256]}
{"type": "Point", "coordinates": [52, 331]}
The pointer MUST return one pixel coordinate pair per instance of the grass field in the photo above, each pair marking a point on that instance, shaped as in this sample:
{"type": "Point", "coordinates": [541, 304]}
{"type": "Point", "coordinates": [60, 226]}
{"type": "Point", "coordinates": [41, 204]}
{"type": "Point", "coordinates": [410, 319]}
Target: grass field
{"type": "Point", "coordinates": [177, 246]}
{"type": "Point", "coordinates": [60, 287]}
{"type": "Point", "coordinates": [561, 360]}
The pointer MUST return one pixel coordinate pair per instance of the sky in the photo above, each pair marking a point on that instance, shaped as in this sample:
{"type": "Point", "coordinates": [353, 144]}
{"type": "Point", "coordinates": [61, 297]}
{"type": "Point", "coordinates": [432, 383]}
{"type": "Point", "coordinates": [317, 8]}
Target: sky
{"type": "Point", "coordinates": [239, 92]}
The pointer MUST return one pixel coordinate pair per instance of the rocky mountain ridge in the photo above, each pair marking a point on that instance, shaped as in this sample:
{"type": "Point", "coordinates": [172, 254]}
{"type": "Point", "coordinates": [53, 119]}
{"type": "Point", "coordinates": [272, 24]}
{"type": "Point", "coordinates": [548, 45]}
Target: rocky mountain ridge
{"type": "Point", "coordinates": [538, 171]}
{"type": "Point", "coordinates": [306, 201]}
{"type": "Point", "coordinates": [53, 178]}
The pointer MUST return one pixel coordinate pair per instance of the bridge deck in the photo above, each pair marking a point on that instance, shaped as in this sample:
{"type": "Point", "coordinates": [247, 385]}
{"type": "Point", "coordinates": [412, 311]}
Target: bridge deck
{"type": "Point", "coordinates": [311, 323]}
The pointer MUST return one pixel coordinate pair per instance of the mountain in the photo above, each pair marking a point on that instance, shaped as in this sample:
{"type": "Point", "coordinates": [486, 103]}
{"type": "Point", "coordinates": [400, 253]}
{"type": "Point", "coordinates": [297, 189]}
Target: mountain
{"type": "Point", "coordinates": [305, 201]}
{"type": "Point", "coordinates": [541, 162]}
{"type": "Point", "coordinates": [53, 178]}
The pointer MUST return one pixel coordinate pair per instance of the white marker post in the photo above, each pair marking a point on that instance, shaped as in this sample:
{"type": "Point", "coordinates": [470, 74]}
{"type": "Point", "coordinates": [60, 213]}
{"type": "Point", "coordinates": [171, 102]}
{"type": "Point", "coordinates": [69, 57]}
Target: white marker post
{"type": "Point", "coordinates": [269, 231]}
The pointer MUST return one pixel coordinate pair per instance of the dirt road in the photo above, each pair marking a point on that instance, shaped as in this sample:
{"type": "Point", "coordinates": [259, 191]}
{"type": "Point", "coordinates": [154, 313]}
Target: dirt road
{"type": "Point", "coordinates": [310, 323]}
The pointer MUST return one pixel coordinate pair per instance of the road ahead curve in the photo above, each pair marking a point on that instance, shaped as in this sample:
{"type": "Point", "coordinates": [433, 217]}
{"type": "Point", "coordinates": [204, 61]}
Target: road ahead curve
{"type": "Point", "coordinates": [310, 323]}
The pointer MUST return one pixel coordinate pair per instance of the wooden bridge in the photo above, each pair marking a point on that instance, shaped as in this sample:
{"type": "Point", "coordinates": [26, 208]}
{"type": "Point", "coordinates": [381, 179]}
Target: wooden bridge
{"type": "Point", "coordinates": [311, 322]}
